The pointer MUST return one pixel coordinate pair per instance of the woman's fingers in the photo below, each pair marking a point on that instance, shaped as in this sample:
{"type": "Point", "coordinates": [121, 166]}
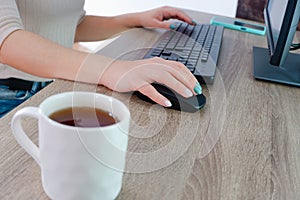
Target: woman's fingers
{"type": "Point", "coordinates": [157, 18]}
{"type": "Point", "coordinates": [178, 77]}
{"type": "Point", "coordinates": [154, 95]}
{"type": "Point", "coordinates": [171, 82]}
{"type": "Point", "coordinates": [170, 12]}
{"type": "Point", "coordinates": [182, 73]}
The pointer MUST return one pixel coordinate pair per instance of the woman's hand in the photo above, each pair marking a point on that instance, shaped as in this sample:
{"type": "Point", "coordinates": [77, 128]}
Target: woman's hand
{"type": "Point", "coordinates": [125, 76]}
{"type": "Point", "coordinates": [156, 18]}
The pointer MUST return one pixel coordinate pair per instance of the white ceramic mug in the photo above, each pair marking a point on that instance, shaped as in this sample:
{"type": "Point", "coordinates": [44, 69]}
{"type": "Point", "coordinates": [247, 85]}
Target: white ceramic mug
{"type": "Point", "coordinates": [77, 163]}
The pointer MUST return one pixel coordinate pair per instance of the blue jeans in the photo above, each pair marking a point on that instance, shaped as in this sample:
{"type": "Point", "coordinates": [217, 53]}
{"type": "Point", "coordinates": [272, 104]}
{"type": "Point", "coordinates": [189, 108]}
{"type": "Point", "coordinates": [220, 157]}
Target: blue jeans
{"type": "Point", "coordinates": [9, 99]}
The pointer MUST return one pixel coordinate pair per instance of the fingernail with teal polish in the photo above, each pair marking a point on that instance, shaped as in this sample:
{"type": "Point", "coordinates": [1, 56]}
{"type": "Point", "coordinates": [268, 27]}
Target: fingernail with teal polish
{"type": "Point", "coordinates": [172, 26]}
{"type": "Point", "coordinates": [194, 22]}
{"type": "Point", "coordinates": [198, 89]}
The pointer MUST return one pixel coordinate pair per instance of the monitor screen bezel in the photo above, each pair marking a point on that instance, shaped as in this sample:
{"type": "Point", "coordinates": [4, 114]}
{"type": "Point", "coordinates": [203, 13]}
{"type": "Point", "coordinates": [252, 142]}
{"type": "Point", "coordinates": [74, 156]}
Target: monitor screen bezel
{"type": "Point", "coordinates": [279, 49]}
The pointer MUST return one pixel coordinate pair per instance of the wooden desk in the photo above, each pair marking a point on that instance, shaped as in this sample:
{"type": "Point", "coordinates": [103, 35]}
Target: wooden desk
{"type": "Point", "coordinates": [243, 145]}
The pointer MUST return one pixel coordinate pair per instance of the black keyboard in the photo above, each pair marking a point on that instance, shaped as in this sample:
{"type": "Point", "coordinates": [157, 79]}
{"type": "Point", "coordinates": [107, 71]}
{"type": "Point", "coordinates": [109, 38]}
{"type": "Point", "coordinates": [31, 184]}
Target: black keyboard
{"type": "Point", "coordinates": [197, 47]}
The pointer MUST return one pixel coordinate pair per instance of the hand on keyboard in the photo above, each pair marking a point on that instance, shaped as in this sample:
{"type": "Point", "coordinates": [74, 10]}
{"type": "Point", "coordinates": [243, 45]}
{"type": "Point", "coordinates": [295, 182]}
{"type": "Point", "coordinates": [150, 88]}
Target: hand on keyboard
{"type": "Point", "coordinates": [125, 76]}
{"type": "Point", "coordinates": [156, 18]}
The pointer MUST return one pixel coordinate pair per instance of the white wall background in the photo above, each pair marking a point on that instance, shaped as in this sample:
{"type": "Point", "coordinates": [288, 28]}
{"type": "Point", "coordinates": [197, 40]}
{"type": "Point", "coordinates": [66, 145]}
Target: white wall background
{"type": "Point", "coordinates": [114, 7]}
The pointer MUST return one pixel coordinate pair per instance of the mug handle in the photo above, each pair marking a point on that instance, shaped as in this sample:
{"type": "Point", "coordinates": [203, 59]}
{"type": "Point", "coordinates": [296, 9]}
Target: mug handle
{"type": "Point", "coordinates": [21, 136]}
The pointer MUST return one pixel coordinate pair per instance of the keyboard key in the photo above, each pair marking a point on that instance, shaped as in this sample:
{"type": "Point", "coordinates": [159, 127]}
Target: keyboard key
{"type": "Point", "coordinates": [164, 57]}
{"type": "Point", "coordinates": [183, 61]}
{"type": "Point", "coordinates": [156, 52]}
{"type": "Point", "coordinates": [166, 53]}
{"type": "Point", "coordinates": [190, 66]}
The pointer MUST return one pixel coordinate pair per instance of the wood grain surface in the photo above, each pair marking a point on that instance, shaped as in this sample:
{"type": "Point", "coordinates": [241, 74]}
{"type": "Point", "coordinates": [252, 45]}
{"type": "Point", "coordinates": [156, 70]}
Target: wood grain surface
{"type": "Point", "coordinates": [244, 144]}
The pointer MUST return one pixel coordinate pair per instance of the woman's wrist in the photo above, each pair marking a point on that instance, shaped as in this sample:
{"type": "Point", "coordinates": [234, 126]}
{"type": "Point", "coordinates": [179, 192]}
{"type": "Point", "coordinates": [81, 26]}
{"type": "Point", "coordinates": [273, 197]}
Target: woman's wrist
{"type": "Point", "coordinates": [131, 20]}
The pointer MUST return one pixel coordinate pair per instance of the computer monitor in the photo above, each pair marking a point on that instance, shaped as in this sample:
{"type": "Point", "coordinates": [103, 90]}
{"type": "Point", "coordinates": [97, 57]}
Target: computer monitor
{"type": "Point", "coordinates": [277, 63]}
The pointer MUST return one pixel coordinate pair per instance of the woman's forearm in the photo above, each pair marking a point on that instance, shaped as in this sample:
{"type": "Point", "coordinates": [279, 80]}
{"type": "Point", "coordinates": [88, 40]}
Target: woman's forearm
{"type": "Point", "coordinates": [38, 56]}
{"type": "Point", "coordinates": [95, 28]}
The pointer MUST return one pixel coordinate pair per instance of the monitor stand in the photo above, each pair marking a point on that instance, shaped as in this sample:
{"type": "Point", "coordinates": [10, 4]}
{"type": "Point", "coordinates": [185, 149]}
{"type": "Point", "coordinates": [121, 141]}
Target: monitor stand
{"type": "Point", "coordinates": [287, 74]}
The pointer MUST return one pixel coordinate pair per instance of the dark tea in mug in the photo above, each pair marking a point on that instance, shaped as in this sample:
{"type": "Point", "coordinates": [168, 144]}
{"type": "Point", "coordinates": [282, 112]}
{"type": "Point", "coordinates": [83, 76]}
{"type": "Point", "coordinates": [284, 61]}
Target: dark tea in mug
{"type": "Point", "coordinates": [83, 117]}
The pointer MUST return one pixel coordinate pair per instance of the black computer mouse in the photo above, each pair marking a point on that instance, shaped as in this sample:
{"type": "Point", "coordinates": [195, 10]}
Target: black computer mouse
{"type": "Point", "coordinates": [191, 104]}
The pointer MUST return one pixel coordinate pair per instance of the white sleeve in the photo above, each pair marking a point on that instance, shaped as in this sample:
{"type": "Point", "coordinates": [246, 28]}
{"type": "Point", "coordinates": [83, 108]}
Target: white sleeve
{"type": "Point", "coordinates": [10, 20]}
{"type": "Point", "coordinates": [82, 16]}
